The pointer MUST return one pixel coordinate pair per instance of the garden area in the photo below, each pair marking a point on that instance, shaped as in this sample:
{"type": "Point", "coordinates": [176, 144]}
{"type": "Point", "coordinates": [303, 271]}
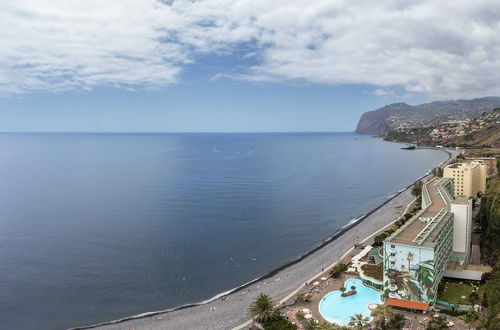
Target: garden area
{"type": "Point", "coordinates": [460, 294]}
{"type": "Point", "coordinates": [373, 271]}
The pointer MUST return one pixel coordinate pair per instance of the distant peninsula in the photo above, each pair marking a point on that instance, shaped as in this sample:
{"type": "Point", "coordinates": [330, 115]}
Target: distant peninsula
{"type": "Point", "coordinates": [399, 116]}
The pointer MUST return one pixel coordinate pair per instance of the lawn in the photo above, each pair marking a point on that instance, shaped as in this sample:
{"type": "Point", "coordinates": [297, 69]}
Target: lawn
{"type": "Point", "coordinates": [453, 293]}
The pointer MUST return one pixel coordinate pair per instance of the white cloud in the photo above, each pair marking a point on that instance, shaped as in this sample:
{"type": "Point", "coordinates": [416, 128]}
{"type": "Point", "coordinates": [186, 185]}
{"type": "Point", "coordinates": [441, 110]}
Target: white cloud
{"type": "Point", "coordinates": [446, 49]}
{"type": "Point", "coordinates": [380, 92]}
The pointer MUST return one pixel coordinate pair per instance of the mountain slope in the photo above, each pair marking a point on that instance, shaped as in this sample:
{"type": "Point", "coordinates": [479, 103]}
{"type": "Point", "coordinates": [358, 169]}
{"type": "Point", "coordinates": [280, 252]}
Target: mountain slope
{"type": "Point", "coordinates": [402, 115]}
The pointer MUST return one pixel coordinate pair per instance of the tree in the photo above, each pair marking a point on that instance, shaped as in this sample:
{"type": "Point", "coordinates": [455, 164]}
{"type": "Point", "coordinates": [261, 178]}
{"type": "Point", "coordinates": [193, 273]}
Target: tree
{"type": "Point", "coordinates": [471, 317]}
{"type": "Point", "coordinates": [337, 270]}
{"type": "Point", "coordinates": [358, 321]}
{"type": "Point", "coordinates": [396, 322]}
{"type": "Point", "coordinates": [280, 324]}
{"type": "Point", "coordinates": [416, 190]}
{"type": "Point", "coordinates": [321, 325]}
{"type": "Point", "coordinates": [489, 220]}
{"type": "Point", "coordinates": [436, 322]}
{"type": "Point", "coordinates": [262, 309]}
{"type": "Point", "coordinates": [474, 298]}
{"type": "Point", "coordinates": [342, 289]}
{"type": "Point", "coordinates": [438, 171]}
{"type": "Point", "coordinates": [382, 314]}
{"type": "Point", "coordinates": [353, 288]}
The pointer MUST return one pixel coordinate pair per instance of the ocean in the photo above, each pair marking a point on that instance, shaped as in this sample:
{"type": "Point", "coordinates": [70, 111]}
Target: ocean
{"type": "Point", "coordinates": [96, 227]}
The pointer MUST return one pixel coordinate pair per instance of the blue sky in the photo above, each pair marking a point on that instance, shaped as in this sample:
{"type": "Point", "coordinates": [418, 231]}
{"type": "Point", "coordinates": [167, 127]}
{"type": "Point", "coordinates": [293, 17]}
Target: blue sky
{"type": "Point", "coordinates": [239, 65]}
{"type": "Point", "coordinates": [202, 106]}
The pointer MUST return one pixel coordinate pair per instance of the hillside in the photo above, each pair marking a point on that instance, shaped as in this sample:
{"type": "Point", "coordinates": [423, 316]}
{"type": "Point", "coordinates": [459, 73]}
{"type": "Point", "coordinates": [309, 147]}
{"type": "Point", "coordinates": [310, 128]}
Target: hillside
{"type": "Point", "coordinates": [402, 115]}
{"type": "Point", "coordinates": [483, 131]}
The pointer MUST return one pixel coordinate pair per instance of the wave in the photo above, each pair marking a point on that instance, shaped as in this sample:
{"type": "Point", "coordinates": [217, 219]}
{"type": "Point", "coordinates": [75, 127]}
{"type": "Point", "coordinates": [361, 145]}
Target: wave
{"type": "Point", "coordinates": [353, 221]}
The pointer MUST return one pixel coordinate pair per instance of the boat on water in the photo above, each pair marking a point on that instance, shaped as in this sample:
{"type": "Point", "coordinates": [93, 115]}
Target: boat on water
{"type": "Point", "coordinates": [409, 147]}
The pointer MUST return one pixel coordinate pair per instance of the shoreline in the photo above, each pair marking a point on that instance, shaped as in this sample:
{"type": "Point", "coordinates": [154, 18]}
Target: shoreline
{"type": "Point", "coordinates": [147, 321]}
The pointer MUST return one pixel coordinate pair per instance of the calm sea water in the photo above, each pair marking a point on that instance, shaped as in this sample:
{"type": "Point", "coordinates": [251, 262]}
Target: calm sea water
{"type": "Point", "coordinates": [95, 227]}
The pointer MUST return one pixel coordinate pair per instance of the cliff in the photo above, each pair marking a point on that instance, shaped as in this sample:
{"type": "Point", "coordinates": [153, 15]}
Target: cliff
{"type": "Point", "coordinates": [402, 115]}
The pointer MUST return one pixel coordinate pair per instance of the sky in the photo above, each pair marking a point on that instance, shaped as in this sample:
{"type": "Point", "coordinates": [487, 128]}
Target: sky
{"type": "Point", "coordinates": [237, 65]}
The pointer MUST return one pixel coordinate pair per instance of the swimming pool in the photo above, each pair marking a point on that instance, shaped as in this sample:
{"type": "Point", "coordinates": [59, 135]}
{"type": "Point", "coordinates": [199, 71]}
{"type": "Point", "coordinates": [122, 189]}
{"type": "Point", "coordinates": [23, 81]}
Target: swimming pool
{"type": "Point", "coordinates": [337, 309]}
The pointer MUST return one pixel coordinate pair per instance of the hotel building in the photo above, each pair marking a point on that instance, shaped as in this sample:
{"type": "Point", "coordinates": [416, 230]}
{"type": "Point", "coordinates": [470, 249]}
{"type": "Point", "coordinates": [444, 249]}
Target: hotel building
{"type": "Point", "coordinates": [417, 254]}
{"type": "Point", "coordinates": [469, 178]}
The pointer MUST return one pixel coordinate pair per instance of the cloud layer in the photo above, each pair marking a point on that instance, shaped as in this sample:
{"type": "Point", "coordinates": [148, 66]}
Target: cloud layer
{"type": "Point", "coordinates": [446, 49]}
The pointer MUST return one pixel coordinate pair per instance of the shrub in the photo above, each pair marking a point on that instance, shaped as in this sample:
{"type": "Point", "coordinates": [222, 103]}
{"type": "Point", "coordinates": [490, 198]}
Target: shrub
{"type": "Point", "coordinates": [301, 297]}
{"type": "Point", "coordinates": [374, 271]}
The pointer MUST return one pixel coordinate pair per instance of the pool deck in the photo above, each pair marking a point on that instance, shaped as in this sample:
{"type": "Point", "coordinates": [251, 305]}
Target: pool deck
{"type": "Point", "coordinates": [334, 285]}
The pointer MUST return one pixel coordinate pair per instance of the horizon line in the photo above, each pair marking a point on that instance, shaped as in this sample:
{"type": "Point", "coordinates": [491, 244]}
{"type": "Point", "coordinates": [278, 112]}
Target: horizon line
{"type": "Point", "coordinates": [167, 132]}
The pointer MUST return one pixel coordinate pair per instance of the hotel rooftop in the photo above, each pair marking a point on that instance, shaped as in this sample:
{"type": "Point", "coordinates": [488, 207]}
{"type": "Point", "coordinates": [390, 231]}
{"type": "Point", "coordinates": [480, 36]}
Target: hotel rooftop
{"type": "Point", "coordinates": [423, 228]}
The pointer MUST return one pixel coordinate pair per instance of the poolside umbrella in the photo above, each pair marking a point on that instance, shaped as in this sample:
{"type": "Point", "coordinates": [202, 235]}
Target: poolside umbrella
{"type": "Point", "coordinates": [323, 278]}
{"type": "Point", "coordinates": [306, 311]}
{"type": "Point", "coordinates": [316, 283]}
{"type": "Point", "coordinates": [308, 316]}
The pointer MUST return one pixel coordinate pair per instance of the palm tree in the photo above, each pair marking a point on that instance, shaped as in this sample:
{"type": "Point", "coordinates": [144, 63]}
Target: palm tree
{"type": "Point", "coordinates": [353, 287]}
{"type": "Point", "coordinates": [342, 289]}
{"type": "Point", "coordinates": [358, 321]}
{"type": "Point", "coordinates": [382, 314]}
{"type": "Point", "coordinates": [262, 309]}
{"type": "Point", "coordinates": [409, 257]}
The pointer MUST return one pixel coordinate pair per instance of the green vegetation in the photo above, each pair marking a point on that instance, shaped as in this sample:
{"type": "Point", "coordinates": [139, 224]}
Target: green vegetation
{"type": "Point", "coordinates": [358, 321]}
{"type": "Point", "coordinates": [379, 239]}
{"type": "Point", "coordinates": [489, 220]}
{"type": "Point", "coordinates": [322, 325]}
{"type": "Point", "coordinates": [374, 271]}
{"type": "Point", "coordinates": [416, 189]}
{"type": "Point", "coordinates": [350, 293]}
{"type": "Point", "coordinates": [453, 292]}
{"type": "Point", "coordinates": [280, 323]}
{"type": "Point", "coordinates": [262, 309]}
{"type": "Point", "coordinates": [437, 322]}
{"type": "Point", "coordinates": [385, 318]}
{"type": "Point", "coordinates": [410, 135]}
{"type": "Point", "coordinates": [471, 318]}
{"type": "Point", "coordinates": [337, 270]}
{"type": "Point", "coordinates": [493, 298]}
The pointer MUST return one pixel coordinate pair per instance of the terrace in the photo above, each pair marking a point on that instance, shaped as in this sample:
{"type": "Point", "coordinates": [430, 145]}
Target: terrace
{"type": "Point", "coordinates": [421, 229]}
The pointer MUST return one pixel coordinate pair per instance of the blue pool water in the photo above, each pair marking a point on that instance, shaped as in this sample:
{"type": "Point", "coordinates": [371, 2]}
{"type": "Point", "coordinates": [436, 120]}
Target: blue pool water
{"type": "Point", "coordinates": [337, 309]}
